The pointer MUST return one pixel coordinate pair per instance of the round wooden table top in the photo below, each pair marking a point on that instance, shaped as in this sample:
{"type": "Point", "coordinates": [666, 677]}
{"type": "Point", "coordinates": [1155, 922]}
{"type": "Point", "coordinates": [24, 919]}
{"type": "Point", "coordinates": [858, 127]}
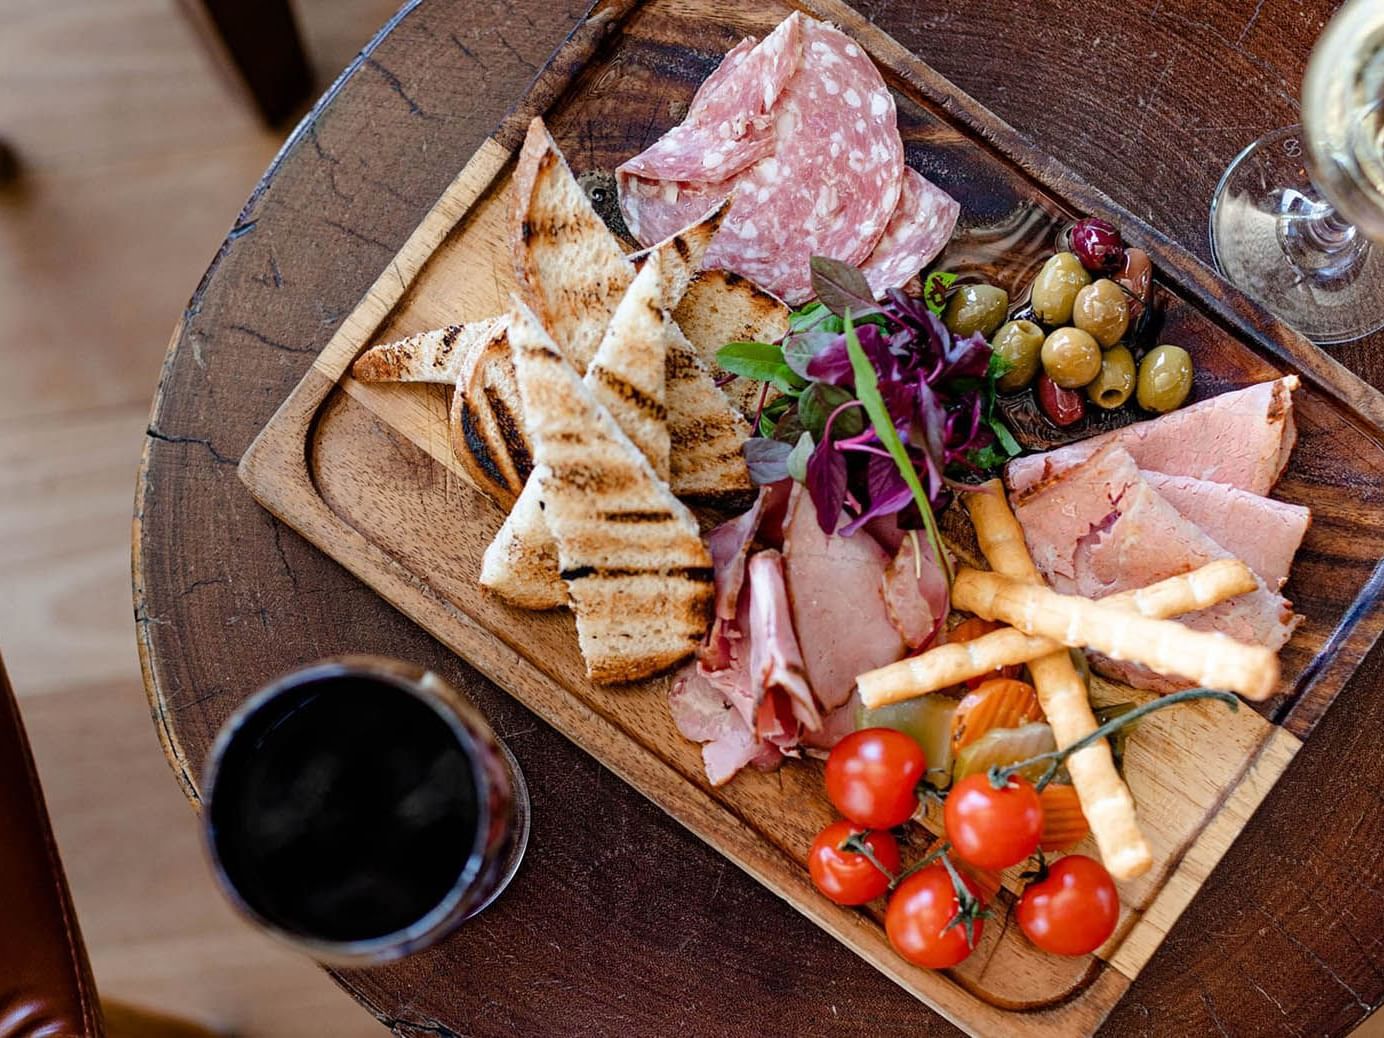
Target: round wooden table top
{"type": "Point", "coordinates": [620, 921]}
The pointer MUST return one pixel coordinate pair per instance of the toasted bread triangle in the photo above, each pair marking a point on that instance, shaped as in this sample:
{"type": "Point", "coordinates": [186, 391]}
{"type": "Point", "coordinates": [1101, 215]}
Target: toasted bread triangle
{"type": "Point", "coordinates": [433, 356]}
{"type": "Point", "coordinates": [707, 433]}
{"type": "Point", "coordinates": [638, 573]}
{"type": "Point", "coordinates": [570, 270]}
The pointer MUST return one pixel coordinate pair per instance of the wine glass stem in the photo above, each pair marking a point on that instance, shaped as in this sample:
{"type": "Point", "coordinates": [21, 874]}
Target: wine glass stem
{"type": "Point", "coordinates": [1329, 231]}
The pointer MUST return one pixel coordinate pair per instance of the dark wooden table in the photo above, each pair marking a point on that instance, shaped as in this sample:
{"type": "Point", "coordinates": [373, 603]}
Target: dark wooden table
{"type": "Point", "coordinates": [620, 922]}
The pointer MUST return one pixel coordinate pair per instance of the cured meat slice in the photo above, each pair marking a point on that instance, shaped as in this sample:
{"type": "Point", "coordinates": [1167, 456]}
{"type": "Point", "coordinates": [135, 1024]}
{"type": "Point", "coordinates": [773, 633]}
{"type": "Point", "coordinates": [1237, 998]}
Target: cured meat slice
{"type": "Point", "coordinates": [727, 126]}
{"type": "Point", "coordinates": [830, 186]}
{"type": "Point", "coordinates": [1242, 438]}
{"type": "Point", "coordinates": [1100, 528]}
{"type": "Point", "coordinates": [920, 228]}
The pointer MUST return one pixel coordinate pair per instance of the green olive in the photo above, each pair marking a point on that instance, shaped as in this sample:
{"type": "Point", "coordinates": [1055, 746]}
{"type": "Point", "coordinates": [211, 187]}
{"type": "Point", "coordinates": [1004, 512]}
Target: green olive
{"type": "Point", "coordinates": [976, 308]}
{"type": "Point", "coordinates": [1102, 310]}
{"type": "Point", "coordinates": [1020, 343]}
{"type": "Point", "coordinates": [1055, 288]}
{"type": "Point", "coordinates": [1165, 379]}
{"type": "Point", "coordinates": [1115, 382]}
{"type": "Point", "coordinates": [1071, 357]}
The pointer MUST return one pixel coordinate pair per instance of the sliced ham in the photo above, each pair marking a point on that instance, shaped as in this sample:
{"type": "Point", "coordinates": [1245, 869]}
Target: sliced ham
{"type": "Point", "coordinates": [915, 594]}
{"type": "Point", "coordinates": [703, 713]}
{"type": "Point", "coordinates": [729, 545]}
{"type": "Point", "coordinates": [1099, 528]}
{"type": "Point", "coordinates": [835, 589]}
{"type": "Point", "coordinates": [1242, 438]}
{"type": "Point", "coordinates": [1262, 533]}
{"type": "Point", "coordinates": [776, 661]}
{"type": "Point", "coordinates": [920, 228]}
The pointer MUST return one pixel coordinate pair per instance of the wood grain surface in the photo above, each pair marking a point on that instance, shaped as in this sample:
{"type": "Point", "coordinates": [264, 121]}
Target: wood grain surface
{"type": "Point", "coordinates": [227, 598]}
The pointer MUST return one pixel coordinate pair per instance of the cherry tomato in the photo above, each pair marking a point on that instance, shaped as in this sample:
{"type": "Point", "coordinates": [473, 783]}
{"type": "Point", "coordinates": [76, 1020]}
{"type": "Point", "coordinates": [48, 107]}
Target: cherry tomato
{"type": "Point", "coordinates": [872, 777]}
{"type": "Point", "coordinates": [1073, 909]}
{"type": "Point", "coordinates": [993, 828]}
{"type": "Point", "coordinates": [846, 876]}
{"type": "Point", "coordinates": [969, 630]}
{"type": "Point", "coordinates": [917, 917]}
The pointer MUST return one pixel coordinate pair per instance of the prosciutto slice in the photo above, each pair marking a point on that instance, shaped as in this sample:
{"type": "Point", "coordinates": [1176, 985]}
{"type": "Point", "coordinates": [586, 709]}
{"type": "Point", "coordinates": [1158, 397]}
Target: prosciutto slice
{"type": "Point", "coordinates": [915, 594]}
{"type": "Point", "coordinates": [776, 661]}
{"type": "Point", "coordinates": [1242, 438]}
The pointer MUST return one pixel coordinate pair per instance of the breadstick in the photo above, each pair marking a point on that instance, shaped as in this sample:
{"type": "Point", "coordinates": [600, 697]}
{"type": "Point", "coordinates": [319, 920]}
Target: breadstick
{"type": "Point", "coordinates": [1164, 646]}
{"type": "Point", "coordinates": [952, 664]}
{"type": "Point", "coordinates": [1105, 800]}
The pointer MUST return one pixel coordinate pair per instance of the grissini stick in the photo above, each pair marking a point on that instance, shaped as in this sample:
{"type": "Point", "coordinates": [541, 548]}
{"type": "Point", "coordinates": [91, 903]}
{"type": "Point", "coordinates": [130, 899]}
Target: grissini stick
{"type": "Point", "coordinates": [1206, 658]}
{"type": "Point", "coordinates": [952, 664]}
{"type": "Point", "coordinates": [1105, 800]}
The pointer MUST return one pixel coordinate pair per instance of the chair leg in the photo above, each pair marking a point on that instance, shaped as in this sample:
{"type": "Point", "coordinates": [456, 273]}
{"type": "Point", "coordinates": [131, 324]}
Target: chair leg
{"type": "Point", "coordinates": [259, 41]}
{"type": "Point", "coordinates": [127, 1021]}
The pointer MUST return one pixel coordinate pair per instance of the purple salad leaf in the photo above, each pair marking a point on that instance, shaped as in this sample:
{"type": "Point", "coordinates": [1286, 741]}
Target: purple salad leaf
{"type": "Point", "coordinates": [964, 358]}
{"type": "Point", "coordinates": [826, 483]}
{"type": "Point", "coordinates": [889, 494]}
{"type": "Point", "coordinates": [842, 288]}
{"type": "Point", "coordinates": [767, 460]}
{"type": "Point", "coordinates": [800, 349]}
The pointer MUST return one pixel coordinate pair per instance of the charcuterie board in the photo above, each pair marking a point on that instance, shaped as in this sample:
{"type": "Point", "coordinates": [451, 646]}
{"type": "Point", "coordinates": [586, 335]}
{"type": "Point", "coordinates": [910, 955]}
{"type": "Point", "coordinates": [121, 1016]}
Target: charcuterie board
{"type": "Point", "coordinates": [366, 472]}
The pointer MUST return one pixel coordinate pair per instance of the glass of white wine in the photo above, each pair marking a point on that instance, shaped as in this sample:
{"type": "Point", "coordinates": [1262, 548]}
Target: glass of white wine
{"type": "Point", "coordinates": [1297, 220]}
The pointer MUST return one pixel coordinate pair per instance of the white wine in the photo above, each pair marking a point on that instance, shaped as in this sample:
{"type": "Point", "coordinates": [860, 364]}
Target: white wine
{"type": "Point", "coordinates": [1343, 114]}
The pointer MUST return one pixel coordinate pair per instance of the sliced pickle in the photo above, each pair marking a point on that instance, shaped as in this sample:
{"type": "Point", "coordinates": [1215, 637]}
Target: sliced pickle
{"type": "Point", "coordinates": [1001, 746]}
{"type": "Point", "coordinates": [928, 719]}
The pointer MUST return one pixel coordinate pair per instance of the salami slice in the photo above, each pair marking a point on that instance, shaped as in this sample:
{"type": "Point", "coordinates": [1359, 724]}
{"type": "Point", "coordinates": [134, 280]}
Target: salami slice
{"type": "Point", "coordinates": [920, 228]}
{"type": "Point", "coordinates": [829, 187]}
{"type": "Point", "coordinates": [727, 126]}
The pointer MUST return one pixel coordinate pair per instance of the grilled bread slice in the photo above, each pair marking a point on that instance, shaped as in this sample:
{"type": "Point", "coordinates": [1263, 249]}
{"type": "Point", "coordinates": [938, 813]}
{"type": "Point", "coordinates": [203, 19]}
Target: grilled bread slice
{"type": "Point", "coordinates": [627, 378]}
{"type": "Point", "coordinates": [682, 253]}
{"type": "Point", "coordinates": [722, 307]}
{"type": "Point", "coordinates": [707, 433]}
{"type": "Point", "coordinates": [570, 269]}
{"type": "Point", "coordinates": [434, 356]}
{"type": "Point", "coordinates": [487, 420]}
{"type": "Point", "coordinates": [639, 576]}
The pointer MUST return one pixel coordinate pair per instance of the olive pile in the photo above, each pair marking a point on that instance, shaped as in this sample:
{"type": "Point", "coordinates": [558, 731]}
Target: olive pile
{"type": "Point", "coordinates": [1089, 300]}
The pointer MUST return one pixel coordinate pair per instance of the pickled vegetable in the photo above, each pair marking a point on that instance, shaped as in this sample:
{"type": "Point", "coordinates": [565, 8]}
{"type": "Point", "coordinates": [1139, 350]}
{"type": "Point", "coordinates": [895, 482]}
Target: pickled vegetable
{"type": "Point", "coordinates": [1062, 406]}
{"type": "Point", "coordinates": [1102, 311]}
{"type": "Point", "coordinates": [1165, 379]}
{"type": "Point", "coordinates": [1071, 357]}
{"type": "Point", "coordinates": [1002, 746]}
{"type": "Point", "coordinates": [928, 720]}
{"type": "Point", "coordinates": [976, 308]}
{"type": "Point", "coordinates": [1064, 824]}
{"type": "Point", "coordinates": [1019, 343]}
{"type": "Point", "coordinates": [1096, 243]}
{"type": "Point", "coordinates": [1055, 288]}
{"type": "Point", "coordinates": [997, 703]}
{"type": "Point", "coordinates": [1113, 386]}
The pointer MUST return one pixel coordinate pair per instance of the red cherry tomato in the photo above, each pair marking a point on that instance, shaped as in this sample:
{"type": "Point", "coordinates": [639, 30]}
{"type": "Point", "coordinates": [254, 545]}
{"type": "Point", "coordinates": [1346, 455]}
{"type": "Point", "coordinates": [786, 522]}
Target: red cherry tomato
{"type": "Point", "coordinates": [993, 828]}
{"type": "Point", "coordinates": [846, 876]}
{"type": "Point", "coordinates": [918, 916]}
{"type": "Point", "coordinates": [872, 777]}
{"type": "Point", "coordinates": [1073, 909]}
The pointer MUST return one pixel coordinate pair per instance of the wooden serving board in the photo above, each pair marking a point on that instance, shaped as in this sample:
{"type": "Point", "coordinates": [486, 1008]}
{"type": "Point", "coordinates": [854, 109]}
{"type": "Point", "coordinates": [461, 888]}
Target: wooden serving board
{"type": "Point", "coordinates": [366, 473]}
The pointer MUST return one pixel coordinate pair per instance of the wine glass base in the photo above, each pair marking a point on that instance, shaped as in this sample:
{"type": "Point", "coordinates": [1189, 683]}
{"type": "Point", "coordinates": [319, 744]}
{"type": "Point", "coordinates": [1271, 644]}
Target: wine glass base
{"type": "Point", "coordinates": [1267, 239]}
{"type": "Point", "coordinates": [523, 820]}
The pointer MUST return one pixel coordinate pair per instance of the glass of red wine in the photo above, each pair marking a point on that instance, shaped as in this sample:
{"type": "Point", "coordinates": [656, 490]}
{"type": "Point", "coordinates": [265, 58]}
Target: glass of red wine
{"type": "Point", "coordinates": [360, 809]}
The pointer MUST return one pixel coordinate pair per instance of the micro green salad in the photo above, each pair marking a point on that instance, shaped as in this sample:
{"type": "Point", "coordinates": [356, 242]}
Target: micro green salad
{"type": "Point", "coordinates": [877, 406]}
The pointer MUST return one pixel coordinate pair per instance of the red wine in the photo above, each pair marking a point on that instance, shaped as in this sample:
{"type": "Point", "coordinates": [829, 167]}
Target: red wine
{"type": "Point", "coordinates": [346, 808]}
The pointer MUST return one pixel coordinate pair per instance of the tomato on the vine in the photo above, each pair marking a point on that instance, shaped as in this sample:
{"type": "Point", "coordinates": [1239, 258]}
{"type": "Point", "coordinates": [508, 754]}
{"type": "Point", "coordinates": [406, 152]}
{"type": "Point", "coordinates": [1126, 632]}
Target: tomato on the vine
{"type": "Point", "coordinates": [927, 923]}
{"type": "Point", "coordinates": [993, 828]}
{"type": "Point", "coordinates": [1073, 909]}
{"type": "Point", "coordinates": [872, 777]}
{"type": "Point", "coordinates": [847, 876]}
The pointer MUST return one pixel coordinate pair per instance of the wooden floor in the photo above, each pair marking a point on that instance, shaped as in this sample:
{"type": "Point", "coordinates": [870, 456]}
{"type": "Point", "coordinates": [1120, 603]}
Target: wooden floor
{"type": "Point", "coordinates": [137, 157]}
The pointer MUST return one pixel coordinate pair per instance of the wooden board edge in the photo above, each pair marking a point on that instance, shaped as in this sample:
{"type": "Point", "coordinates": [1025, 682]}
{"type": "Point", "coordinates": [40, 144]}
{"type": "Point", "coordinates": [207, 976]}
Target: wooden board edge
{"type": "Point", "coordinates": [1226, 303]}
{"type": "Point", "coordinates": [1262, 772]}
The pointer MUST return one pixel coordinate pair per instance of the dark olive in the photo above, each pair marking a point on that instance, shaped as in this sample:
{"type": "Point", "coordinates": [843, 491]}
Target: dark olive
{"type": "Point", "coordinates": [1097, 244]}
{"type": "Point", "coordinates": [1062, 406]}
{"type": "Point", "coordinates": [975, 308]}
{"type": "Point", "coordinates": [1136, 278]}
{"type": "Point", "coordinates": [1115, 382]}
{"type": "Point", "coordinates": [1165, 379]}
{"type": "Point", "coordinates": [1020, 343]}
{"type": "Point", "coordinates": [1102, 310]}
{"type": "Point", "coordinates": [1056, 286]}
{"type": "Point", "coordinates": [1071, 357]}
